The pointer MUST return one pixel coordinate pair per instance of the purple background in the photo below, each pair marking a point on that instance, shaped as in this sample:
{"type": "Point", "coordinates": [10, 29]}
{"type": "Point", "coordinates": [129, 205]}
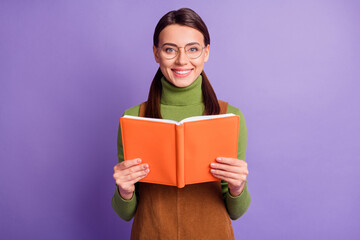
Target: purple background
{"type": "Point", "coordinates": [68, 69]}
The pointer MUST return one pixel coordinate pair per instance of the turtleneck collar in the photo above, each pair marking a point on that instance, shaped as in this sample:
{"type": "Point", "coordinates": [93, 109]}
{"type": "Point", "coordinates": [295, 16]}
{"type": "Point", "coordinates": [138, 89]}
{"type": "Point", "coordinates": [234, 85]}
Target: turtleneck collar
{"type": "Point", "coordinates": [181, 96]}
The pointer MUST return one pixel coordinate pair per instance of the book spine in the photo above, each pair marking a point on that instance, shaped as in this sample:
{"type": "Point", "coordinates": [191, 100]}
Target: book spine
{"type": "Point", "coordinates": [237, 135]}
{"type": "Point", "coordinates": [180, 155]}
{"type": "Point", "coordinates": [122, 136]}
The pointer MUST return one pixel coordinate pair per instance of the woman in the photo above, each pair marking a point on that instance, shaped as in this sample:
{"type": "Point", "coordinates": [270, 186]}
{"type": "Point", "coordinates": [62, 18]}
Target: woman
{"type": "Point", "coordinates": [180, 89]}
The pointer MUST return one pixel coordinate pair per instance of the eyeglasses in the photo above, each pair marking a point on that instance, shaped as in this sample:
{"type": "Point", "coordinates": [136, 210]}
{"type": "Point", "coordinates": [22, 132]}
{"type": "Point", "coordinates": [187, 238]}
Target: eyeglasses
{"type": "Point", "coordinates": [170, 51]}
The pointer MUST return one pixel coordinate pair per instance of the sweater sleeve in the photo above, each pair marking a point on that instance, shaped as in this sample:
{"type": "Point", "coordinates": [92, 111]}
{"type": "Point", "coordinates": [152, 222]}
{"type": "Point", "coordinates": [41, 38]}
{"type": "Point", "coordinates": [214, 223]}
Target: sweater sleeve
{"type": "Point", "coordinates": [124, 208]}
{"type": "Point", "coordinates": [237, 206]}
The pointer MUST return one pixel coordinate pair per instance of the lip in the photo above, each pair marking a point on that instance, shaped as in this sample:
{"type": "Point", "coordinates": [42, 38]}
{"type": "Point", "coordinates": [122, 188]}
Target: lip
{"type": "Point", "coordinates": [186, 73]}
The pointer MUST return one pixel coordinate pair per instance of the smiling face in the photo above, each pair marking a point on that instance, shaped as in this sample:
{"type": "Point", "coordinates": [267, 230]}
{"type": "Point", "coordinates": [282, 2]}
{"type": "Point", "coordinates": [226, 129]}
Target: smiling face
{"type": "Point", "coordinates": [181, 71]}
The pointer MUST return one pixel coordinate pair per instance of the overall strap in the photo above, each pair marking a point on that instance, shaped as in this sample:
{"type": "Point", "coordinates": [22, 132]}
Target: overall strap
{"type": "Point", "coordinates": [142, 109]}
{"type": "Point", "coordinates": [223, 108]}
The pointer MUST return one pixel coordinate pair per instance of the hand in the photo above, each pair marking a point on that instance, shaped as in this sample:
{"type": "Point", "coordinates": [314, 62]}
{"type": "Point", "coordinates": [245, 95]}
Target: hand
{"type": "Point", "coordinates": [231, 170]}
{"type": "Point", "coordinates": [127, 173]}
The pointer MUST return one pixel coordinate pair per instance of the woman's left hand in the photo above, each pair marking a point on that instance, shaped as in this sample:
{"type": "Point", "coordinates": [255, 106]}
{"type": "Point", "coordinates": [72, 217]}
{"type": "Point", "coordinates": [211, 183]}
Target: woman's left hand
{"type": "Point", "coordinates": [231, 170]}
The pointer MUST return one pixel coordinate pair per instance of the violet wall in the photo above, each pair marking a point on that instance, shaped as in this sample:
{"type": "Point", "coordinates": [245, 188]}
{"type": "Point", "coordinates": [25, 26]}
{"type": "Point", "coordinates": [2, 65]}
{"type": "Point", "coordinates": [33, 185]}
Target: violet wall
{"type": "Point", "coordinates": [68, 69]}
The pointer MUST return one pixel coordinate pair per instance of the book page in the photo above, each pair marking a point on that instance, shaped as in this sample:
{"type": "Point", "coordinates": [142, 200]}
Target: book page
{"type": "Point", "coordinates": [198, 118]}
{"type": "Point", "coordinates": [189, 119]}
{"type": "Point", "coordinates": [151, 119]}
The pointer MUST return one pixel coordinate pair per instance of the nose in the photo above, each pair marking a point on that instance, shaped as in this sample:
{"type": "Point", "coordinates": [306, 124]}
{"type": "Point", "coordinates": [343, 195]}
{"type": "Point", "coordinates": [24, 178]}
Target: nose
{"type": "Point", "coordinates": [181, 58]}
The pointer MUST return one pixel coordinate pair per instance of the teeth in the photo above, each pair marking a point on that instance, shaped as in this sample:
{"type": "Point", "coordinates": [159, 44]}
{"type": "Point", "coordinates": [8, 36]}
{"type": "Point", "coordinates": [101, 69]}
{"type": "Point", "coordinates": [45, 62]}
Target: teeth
{"type": "Point", "coordinates": [182, 72]}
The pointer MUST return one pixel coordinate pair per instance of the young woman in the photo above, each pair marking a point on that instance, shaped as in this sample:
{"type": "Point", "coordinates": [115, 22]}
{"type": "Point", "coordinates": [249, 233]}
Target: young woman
{"type": "Point", "coordinates": [180, 89]}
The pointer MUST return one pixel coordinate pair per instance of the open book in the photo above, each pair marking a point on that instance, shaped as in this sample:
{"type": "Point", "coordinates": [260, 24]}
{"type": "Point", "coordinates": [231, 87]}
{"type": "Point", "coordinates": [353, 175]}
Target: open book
{"type": "Point", "coordinates": [180, 153]}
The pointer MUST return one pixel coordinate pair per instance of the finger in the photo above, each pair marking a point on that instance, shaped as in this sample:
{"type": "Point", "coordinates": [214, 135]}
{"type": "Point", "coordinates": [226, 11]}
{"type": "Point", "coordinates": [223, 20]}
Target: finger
{"type": "Point", "coordinates": [230, 181]}
{"type": "Point", "coordinates": [229, 175]}
{"type": "Point", "coordinates": [129, 163]}
{"type": "Point", "coordinates": [231, 161]}
{"type": "Point", "coordinates": [136, 168]}
{"type": "Point", "coordinates": [132, 176]}
{"type": "Point", "coordinates": [229, 168]}
{"type": "Point", "coordinates": [137, 179]}
{"type": "Point", "coordinates": [118, 174]}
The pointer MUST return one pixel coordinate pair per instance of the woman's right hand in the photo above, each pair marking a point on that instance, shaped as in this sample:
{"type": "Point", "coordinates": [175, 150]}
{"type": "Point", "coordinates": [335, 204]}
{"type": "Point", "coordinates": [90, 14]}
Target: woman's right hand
{"type": "Point", "coordinates": [127, 173]}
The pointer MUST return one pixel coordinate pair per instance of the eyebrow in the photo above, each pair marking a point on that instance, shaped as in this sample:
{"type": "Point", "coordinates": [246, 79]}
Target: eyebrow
{"type": "Point", "coordinates": [173, 44]}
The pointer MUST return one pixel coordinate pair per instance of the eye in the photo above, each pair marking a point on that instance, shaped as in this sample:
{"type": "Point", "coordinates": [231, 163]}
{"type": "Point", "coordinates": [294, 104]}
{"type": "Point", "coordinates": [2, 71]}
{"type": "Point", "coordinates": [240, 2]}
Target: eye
{"type": "Point", "coordinates": [193, 49]}
{"type": "Point", "coordinates": [169, 50]}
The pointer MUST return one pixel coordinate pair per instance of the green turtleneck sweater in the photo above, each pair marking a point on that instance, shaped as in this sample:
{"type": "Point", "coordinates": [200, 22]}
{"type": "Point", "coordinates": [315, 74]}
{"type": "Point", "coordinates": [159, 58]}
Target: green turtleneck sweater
{"type": "Point", "coordinates": [176, 104]}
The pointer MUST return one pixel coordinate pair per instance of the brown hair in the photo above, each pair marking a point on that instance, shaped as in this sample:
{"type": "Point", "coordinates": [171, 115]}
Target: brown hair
{"type": "Point", "coordinates": [185, 17]}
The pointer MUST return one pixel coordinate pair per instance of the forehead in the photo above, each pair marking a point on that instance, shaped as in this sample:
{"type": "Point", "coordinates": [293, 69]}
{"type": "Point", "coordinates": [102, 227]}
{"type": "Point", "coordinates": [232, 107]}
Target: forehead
{"type": "Point", "coordinates": [180, 35]}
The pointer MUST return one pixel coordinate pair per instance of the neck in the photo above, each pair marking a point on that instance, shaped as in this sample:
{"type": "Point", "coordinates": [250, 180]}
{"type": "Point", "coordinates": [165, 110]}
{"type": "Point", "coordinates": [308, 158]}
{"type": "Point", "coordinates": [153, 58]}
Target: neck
{"type": "Point", "coordinates": [181, 96]}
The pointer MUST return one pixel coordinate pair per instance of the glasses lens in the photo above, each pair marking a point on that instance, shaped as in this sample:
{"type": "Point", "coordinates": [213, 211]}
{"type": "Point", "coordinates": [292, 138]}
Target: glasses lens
{"type": "Point", "coordinates": [193, 50]}
{"type": "Point", "coordinates": [169, 51]}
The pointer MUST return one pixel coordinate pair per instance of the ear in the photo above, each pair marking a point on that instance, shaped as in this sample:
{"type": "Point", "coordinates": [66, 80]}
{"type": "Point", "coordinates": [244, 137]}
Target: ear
{"type": "Point", "coordinates": [156, 54]}
{"type": "Point", "coordinates": [207, 52]}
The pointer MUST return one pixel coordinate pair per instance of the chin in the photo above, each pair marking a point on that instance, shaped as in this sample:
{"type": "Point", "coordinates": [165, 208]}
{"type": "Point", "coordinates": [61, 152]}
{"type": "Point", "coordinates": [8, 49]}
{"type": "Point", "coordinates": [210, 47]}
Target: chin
{"type": "Point", "coordinates": [182, 83]}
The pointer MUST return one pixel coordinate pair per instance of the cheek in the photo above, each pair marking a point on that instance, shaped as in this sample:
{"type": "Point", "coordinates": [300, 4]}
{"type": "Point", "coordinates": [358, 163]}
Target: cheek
{"type": "Point", "coordinates": [199, 63]}
{"type": "Point", "coordinates": [164, 64]}
{"type": "Point", "coordinates": [165, 68]}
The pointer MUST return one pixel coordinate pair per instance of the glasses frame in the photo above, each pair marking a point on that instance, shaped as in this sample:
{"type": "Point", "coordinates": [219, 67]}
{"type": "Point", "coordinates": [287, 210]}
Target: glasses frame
{"type": "Point", "coordinates": [177, 53]}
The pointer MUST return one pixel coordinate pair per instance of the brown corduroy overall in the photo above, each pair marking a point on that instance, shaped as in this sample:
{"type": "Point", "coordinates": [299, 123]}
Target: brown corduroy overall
{"type": "Point", "coordinates": [196, 211]}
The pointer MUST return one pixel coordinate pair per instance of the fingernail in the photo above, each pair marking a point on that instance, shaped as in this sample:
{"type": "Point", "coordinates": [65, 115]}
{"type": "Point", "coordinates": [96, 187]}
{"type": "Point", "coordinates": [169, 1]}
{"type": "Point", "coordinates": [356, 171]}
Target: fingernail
{"type": "Point", "coordinates": [219, 158]}
{"type": "Point", "coordinates": [139, 160]}
{"type": "Point", "coordinates": [212, 164]}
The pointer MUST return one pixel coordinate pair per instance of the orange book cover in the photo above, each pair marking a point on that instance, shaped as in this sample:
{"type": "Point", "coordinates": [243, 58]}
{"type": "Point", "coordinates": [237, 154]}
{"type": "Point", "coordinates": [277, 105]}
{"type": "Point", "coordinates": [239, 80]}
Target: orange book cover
{"type": "Point", "coordinates": [180, 153]}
